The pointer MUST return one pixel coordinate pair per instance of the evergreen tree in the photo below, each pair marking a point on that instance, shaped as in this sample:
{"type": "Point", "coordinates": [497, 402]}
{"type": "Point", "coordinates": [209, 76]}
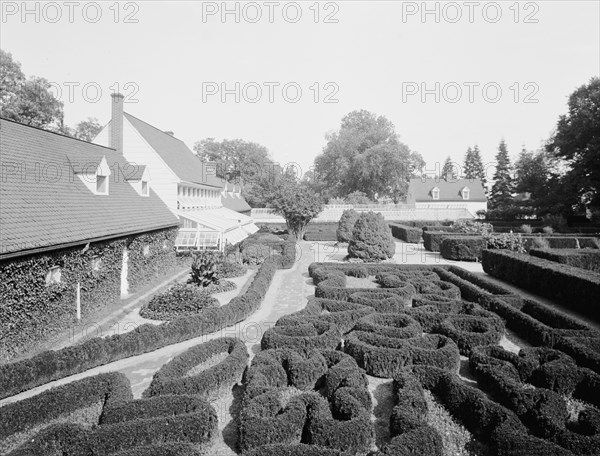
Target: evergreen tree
{"type": "Point", "coordinates": [449, 170]}
{"type": "Point", "coordinates": [501, 194]}
{"type": "Point", "coordinates": [473, 165]}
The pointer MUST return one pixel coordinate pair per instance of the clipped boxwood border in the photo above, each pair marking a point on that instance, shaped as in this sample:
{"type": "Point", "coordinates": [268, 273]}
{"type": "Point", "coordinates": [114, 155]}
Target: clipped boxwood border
{"type": "Point", "coordinates": [172, 377]}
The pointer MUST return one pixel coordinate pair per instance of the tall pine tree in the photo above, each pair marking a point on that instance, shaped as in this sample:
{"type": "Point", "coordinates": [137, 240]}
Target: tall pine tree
{"type": "Point", "coordinates": [502, 189]}
{"type": "Point", "coordinates": [449, 170]}
{"type": "Point", "coordinates": [473, 168]}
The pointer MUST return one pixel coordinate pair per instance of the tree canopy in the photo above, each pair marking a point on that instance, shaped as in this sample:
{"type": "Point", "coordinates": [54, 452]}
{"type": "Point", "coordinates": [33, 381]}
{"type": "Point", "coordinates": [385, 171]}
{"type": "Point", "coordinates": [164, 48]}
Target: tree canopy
{"type": "Point", "coordinates": [473, 167]}
{"type": "Point", "coordinates": [365, 155]}
{"type": "Point", "coordinates": [577, 141]}
{"type": "Point", "coordinates": [501, 194]}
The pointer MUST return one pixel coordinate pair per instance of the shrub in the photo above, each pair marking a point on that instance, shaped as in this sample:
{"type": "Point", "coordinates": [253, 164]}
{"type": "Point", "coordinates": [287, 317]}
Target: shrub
{"type": "Point", "coordinates": [346, 225]}
{"type": "Point", "coordinates": [54, 364]}
{"type": "Point", "coordinates": [507, 241]}
{"type": "Point", "coordinates": [580, 258]}
{"type": "Point", "coordinates": [432, 240]}
{"type": "Point", "coordinates": [230, 270]}
{"type": "Point", "coordinates": [169, 405]}
{"type": "Point", "coordinates": [399, 326]}
{"type": "Point", "coordinates": [371, 239]}
{"type": "Point", "coordinates": [573, 287]}
{"type": "Point", "coordinates": [180, 299]}
{"type": "Point", "coordinates": [204, 269]}
{"type": "Point", "coordinates": [174, 377]}
{"type": "Point", "coordinates": [302, 337]}
{"type": "Point", "coordinates": [18, 417]}
{"type": "Point", "coordinates": [471, 227]}
{"type": "Point", "coordinates": [469, 332]}
{"type": "Point", "coordinates": [296, 449]}
{"type": "Point", "coordinates": [406, 233]}
{"type": "Point", "coordinates": [380, 301]}
{"type": "Point", "coordinates": [162, 449]}
{"type": "Point", "coordinates": [462, 248]}
{"type": "Point", "coordinates": [539, 243]}
{"type": "Point", "coordinates": [548, 230]}
{"type": "Point", "coordinates": [385, 357]}
{"type": "Point", "coordinates": [526, 229]}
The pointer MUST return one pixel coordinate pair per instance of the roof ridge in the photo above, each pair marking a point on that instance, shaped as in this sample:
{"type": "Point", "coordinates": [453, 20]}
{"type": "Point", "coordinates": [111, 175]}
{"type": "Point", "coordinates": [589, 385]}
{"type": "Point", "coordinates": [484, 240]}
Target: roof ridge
{"type": "Point", "coordinates": [152, 126]}
{"type": "Point", "coordinates": [56, 133]}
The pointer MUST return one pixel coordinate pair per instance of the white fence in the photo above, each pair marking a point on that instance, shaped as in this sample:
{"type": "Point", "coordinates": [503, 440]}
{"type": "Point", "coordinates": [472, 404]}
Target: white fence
{"type": "Point", "coordinates": [333, 212]}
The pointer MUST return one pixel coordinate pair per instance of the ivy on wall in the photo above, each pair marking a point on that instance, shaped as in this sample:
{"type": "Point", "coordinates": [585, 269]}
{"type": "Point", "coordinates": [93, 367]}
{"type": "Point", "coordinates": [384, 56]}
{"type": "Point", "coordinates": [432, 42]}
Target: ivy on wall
{"type": "Point", "coordinates": [32, 311]}
{"type": "Point", "coordinates": [160, 259]}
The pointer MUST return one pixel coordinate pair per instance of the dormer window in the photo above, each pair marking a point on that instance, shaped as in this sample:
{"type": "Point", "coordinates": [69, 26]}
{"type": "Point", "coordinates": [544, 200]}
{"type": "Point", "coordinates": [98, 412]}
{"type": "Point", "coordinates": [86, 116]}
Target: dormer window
{"type": "Point", "coordinates": [435, 193]}
{"type": "Point", "coordinates": [465, 192]}
{"type": "Point", "coordinates": [101, 185]}
{"type": "Point", "coordinates": [145, 191]}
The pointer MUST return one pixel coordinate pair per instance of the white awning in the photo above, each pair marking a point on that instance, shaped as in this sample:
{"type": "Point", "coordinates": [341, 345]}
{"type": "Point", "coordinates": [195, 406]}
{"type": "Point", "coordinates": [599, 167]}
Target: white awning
{"type": "Point", "coordinates": [234, 226]}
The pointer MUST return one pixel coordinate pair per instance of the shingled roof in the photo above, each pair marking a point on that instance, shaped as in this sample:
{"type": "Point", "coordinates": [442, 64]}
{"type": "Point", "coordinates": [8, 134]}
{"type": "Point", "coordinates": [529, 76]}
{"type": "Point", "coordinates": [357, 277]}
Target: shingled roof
{"type": "Point", "coordinates": [419, 190]}
{"type": "Point", "coordinates": [43, 204]}
{"type": "Point", "coordinates": [184, 163]}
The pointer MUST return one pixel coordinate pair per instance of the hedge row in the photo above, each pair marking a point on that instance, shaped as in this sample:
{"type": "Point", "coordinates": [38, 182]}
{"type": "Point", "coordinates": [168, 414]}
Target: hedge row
{"type": "Point", "coordinates": [484, 418]}
{"type": "Point", "coordinates": [52, 365]}
{"type": "Point", "coordinates": [372, 268]}
{"type": "Point", "coordinates": [406, 233]}
{"type": "Point", "coordinates": [60, 401]}
{"type": "Point", "coordinates": [343, 314]}
{"type": "Point", "coordinates": [580, 258]}
{"type": "Point", "coordinates": [399, 326]}
{"type": "Point", "coordinates": [408, 423]}
{"type": "Point", "coordinates": [307, 418]}
{"type": "Point", "coordinates": [463, 248]}
{"type": "Point", "coordinates": [573, 287]}
{"type": "Point", "coordinates": [302, 336]}
{"type": "Point", "coordinates": [384, 357]}
{"type": "Point", "coordinates": [432, 240]}
{"type": "Point", "coordinates": [198, 428]}
{"type": "Point", "coordinates": [174, 377]}
{"type": "Point", "coordinates": [543, 411]}
{"type": "Point", "coordinates": [297, 449]}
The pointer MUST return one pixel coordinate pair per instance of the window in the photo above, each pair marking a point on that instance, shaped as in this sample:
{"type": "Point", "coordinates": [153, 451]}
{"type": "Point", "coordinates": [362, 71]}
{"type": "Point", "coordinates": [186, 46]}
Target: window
{"type": "Point", "coordinates": [186, 239]}
{"type": "Point", "coordinates": [96, 263]}
{"type": "Point", "coordinates": [144, 188]}
{"type": "Point", "coordinates": [435, 193]}
{"type": "Point", "coordinates": [466, 193]}
{"type": "Point", "coordinates": [102, 185]}
{"type": "Point", "coordinates": [146, 250]}
{"type": "Point", "coordinates": [53, 275]}
{"type": "Point", "coordinates": [208, 239]}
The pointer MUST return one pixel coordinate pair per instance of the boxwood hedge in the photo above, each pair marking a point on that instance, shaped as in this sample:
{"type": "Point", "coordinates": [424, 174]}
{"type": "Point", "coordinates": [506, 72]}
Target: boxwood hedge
{"type": "Point", "coordinates": [302, 336]}
{"type": "Point", "coordinates": [174, 377]}
{"type": "Point", "coordinates": [406, 233]}
{"type": "Point", "coordinates": [575, 288]}
{"type": "Point", "coordinates": [580, 258]}
{"type": "Point", "coordinates": [462, 248]}
{"type": "Point", "coordinates": [52, 365]}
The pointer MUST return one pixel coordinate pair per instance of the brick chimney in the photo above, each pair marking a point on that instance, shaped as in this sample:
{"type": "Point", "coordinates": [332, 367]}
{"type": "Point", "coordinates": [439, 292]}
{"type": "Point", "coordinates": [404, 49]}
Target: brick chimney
{"type": "Point", "coordinates": [116, 123]}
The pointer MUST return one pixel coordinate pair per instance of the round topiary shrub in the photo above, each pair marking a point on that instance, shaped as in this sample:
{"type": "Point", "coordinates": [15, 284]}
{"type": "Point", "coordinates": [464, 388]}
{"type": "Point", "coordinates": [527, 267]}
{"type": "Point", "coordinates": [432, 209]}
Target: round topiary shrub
{"type": "Point", "coordinates": [372, 239]}
{"type": "Point", "coordinates": [180, 299]}
{"type": "Point", "coordinates": [346, 225]}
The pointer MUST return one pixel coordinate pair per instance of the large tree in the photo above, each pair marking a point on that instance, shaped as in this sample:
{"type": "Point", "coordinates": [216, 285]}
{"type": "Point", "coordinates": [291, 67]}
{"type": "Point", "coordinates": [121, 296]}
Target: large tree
{"type": "Point", "coordinates": [239, 161]}
{"type": "Point", "coordinates": [501, 194]}
{"type": "Point", "coordinates": [577, 141]}
{"type": "Point", "coordinates": [473, 166]}
{"type": "Point", "coordinates": [365, 155]}
{"type": "Point", "coordinates": [28, 101]}
{"type": "Point", "coordinates": [295, 201]}
{"type": "Point", "coordinates": [87, 129]}
{"type": "Point", "coordinates": [449, 171]}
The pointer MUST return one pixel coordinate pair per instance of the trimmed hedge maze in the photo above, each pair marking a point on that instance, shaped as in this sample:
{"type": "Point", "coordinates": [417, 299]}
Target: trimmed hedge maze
{"type": "Point", "coordinates": [97, 416]}
{"type": "Point", "coordinates": [306, 392]}
{"type": "Point", "coordinates": [53, 365]}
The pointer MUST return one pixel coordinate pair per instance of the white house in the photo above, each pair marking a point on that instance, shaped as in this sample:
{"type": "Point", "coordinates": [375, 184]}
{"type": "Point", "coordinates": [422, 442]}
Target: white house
{"type": "Point", "coordinates": [439, 193]}
{"type": "Point", "coordinates": [189, 187]}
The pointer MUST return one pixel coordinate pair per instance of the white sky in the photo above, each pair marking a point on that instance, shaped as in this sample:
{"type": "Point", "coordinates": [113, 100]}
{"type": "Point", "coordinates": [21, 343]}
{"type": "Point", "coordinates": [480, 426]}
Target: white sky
{"type": "Point", "coordinates": [369, 55]}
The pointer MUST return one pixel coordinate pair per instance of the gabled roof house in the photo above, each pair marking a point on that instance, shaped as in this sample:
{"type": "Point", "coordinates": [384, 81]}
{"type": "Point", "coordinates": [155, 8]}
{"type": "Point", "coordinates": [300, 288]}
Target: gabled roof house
{"type": "Point", "coordinates": [58, 192]}
{"type": "Point", "coordinates": [231, 198]}
{"type": "Point", "coordinates": [189, 187]}
{"type": "Point", "coordinates": [435, 192]}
